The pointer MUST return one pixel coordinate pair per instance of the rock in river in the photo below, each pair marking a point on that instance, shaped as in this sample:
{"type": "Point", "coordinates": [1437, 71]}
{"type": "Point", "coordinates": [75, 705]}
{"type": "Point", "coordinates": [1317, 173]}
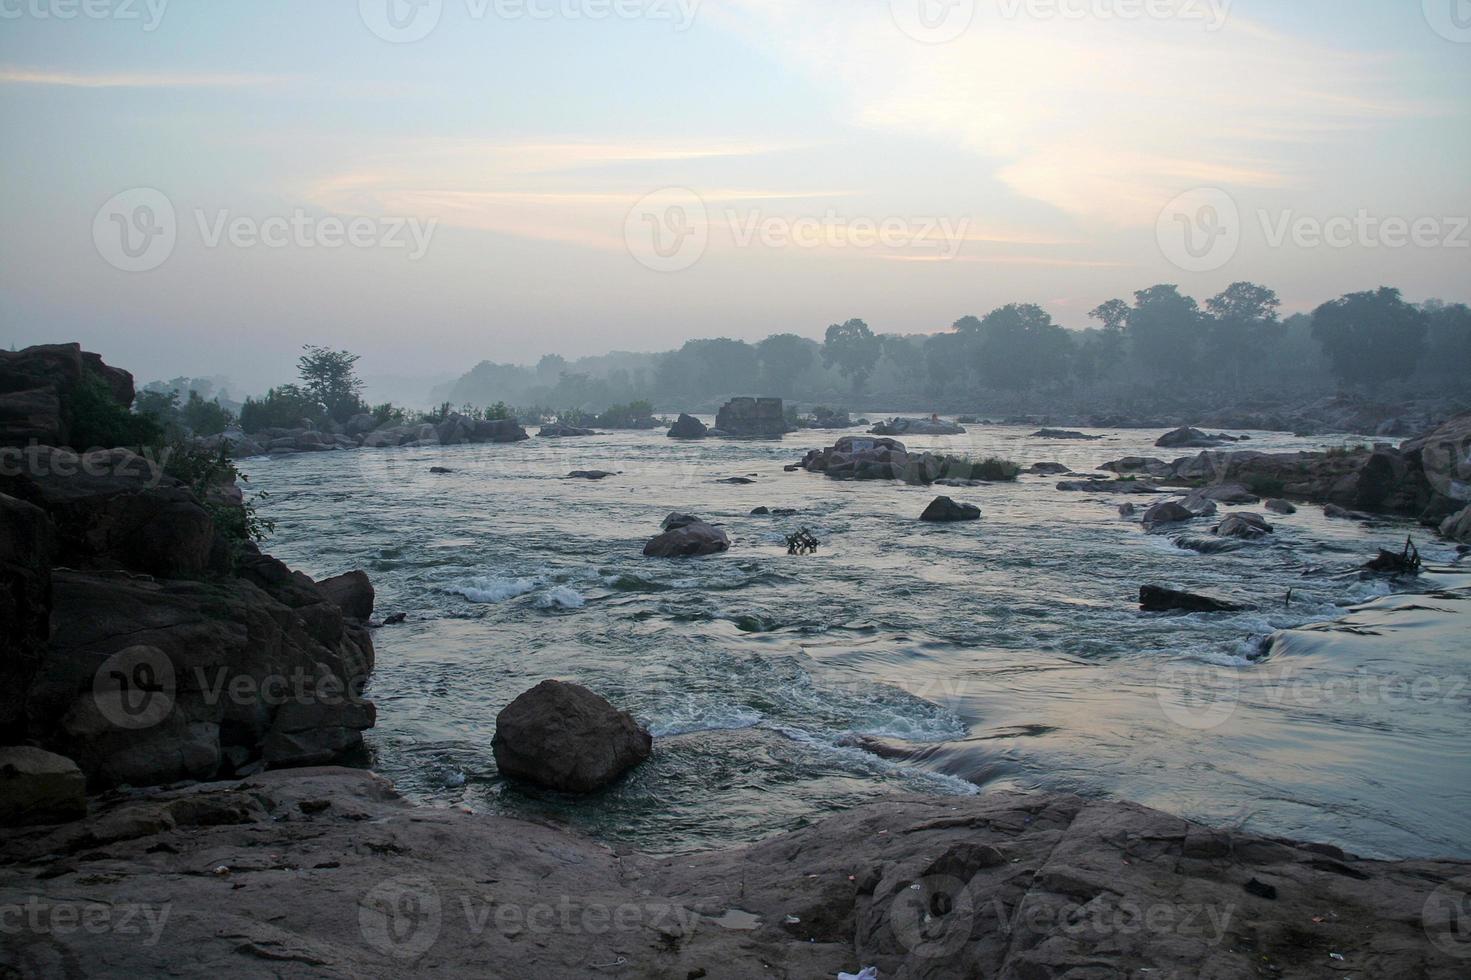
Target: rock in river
{"type": "Point", "coordinates": [1155, 598]}
{"type": "Point", "coordinates": [1243, 525]}
{"type": "Point", "coordinates": [567, 738]}
{"type": "Point", "coordinates": [943, 510]}
{"type": "Point", "coordinates": [1167, 512]}
{"type": "Point", "coordinates": [688, 541]}
{"type": "Point", "coordinates": [687, 427]}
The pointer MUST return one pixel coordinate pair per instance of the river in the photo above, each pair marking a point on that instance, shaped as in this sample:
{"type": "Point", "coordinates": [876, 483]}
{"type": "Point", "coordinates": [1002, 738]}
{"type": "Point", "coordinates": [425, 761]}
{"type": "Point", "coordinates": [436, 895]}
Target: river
{"type": "Point", "coordinates": [1008, 652]}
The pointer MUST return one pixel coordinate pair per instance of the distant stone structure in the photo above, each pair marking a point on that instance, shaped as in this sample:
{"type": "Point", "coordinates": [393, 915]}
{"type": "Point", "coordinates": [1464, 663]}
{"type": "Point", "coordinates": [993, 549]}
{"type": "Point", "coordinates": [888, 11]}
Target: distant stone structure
{"type": "Point", "coordinates": [752, 418]}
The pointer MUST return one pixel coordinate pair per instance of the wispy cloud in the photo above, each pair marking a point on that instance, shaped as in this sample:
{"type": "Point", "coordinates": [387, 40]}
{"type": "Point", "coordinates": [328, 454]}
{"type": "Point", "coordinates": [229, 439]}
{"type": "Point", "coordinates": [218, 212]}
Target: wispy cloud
{"type": "Point", "coordinates": [72, 79]}
{"type": "Point", "coordinates": [1102, 119]}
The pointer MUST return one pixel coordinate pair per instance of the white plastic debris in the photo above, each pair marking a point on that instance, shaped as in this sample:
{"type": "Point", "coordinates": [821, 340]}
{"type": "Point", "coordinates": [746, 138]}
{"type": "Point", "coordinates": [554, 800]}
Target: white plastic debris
{"type": "Point", "coordinates": [867, 973]}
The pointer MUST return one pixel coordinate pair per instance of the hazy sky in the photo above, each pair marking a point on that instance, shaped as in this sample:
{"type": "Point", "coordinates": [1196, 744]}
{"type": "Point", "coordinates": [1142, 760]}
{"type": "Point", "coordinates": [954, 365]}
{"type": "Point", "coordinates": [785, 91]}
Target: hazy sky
{"type": "Point", "coordinates": [200, 187]}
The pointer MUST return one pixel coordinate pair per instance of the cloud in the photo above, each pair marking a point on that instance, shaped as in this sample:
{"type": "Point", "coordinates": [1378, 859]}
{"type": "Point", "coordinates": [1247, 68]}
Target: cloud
{"type": "Point", "coordinates": [1103, 119]}
{"type": "Point", "coordinates": [71, 79]}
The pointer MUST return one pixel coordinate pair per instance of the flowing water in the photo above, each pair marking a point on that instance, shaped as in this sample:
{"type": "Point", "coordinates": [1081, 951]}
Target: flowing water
{"type": "Point", "coordinates": [901, 658]}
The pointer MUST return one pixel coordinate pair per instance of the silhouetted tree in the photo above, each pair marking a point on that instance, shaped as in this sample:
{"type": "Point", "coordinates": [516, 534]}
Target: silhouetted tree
{"type": "Point", "coordinates": [785, 360]}
{"type": "Point", "coordinates": [853, 349]}
{"type": "Point", "coordinates": [1021, 347]}
{"type": "Point", "coordinates": [330, 377]}
{"type": "Point", "coordinates": [1164, 330]}
{"type": "Point", "coordinates": [1243, 327]}
{"type": "Point", "coordinates": [1371, 337]}
{"type": "Point", "coordinates": [1449, 342]}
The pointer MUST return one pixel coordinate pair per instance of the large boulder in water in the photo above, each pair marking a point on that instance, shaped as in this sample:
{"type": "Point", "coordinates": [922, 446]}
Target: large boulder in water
{"type": "Point", "coordinates": [1242, 524]}
{"type": "Point", "coordinates": [688, 540]}
{"type": "Point", "coordinates": [556, 430]}
{"type": "Point", "coordinates": [565, 737]}
{"type": "Point", "coordinates": [497, 430]}
{"type": "Point", "coordinates": [687, 427]}
{"type": "Point", "coordinates": [752, 418]}
{"type": "Point", "coordinates": [39, 787]}
{"type": "Point", "coordinates": [945, 510]}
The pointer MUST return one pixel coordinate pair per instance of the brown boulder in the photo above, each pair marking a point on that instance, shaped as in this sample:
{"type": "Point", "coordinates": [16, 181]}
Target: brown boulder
{"type": "Point", "coordinates": [688, 541]}
{"type": "Point", "coordinates": [567, 738]}
{"type": "Point", "coordinates": [352, 592]}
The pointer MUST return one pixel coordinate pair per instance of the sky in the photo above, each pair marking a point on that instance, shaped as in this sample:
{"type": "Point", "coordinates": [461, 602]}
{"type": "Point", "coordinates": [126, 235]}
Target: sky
{"type": "Point", "coordinates": [202, 187]}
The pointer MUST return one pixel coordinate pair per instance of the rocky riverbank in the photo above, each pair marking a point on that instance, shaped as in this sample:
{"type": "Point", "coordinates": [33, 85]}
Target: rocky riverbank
{"type": "Point", "coordinates": [327, 873]}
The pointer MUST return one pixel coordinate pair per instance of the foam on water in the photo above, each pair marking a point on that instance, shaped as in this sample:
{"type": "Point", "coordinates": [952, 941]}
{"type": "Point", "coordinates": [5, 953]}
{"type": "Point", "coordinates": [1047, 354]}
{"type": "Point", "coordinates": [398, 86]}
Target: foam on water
{"type": "Point", "coordinates": [485, 588]}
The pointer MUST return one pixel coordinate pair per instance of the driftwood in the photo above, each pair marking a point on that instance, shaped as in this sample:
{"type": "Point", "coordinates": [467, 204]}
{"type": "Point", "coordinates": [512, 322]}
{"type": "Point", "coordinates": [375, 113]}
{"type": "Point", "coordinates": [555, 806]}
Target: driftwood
{"type": "Point", "coordinates": [1406, 562]}
{"type": "Point", "coordinates": [802, 543]}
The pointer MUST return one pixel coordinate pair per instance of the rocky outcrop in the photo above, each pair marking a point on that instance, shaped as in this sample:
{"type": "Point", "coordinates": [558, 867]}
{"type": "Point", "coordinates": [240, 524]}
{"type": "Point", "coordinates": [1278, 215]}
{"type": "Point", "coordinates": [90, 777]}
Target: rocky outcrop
{"type": "Point", "coordinates": [350, 592]}
{"type": "Point", "coordinates": [115, 509]}
{"type": "Point", "coordinates": [39, 787]}
{"type": "Point", "coordinates": [327, 872]}
{"type": "Point", "coordinates": [945, 510]}
{"type": "Point", "coordinates": [1139, 466]}
{"type": "Point", "coordinates": [1155, 598]}
{"type": "Point", "coordinates": [565, 737]}
{"type": "Point", "coordinates": [1444, 457]}
{"type": "Point", "coordinates": [148, 681]}
{"type": "Point", "coordinates": [752, 418]}
{"type": "Point", "coordinates": [27, 552]}
{"type": "Point", "coordinates": [917, 427]}
{"type": "Point", "coordinates": [687, 540]}
{"type": "Point", "coordinates": [688, 427]}
{"type": "Point", "coordinates": [37, 383]}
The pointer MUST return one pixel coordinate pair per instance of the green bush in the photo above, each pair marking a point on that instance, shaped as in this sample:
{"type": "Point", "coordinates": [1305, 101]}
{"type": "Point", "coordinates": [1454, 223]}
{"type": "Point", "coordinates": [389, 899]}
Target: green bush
{"type": "Point", "coordinates": [205, 471]}
{"type": "Point", "coordinates": [280, 408]}
{"type": "Point", "coordinates": [992, 469]}
{"type": "Point", "coordinates": [96, 420]}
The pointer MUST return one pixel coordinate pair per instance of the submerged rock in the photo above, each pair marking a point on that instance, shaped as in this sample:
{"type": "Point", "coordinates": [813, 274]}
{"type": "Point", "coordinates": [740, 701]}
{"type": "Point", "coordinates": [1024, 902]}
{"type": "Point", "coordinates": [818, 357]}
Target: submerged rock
{"type": "Point", "coordinates": [944, 510]}
{"type": "Point", "coordinates": [1048, 469]}
{"type": "Point", "coordinates": [1186, 437]}
{"type": "Point", "coordinates": [917, 427]}
{"type": "Point", "coordinates": [589, 475]}
{"type": "Point", "coordinates": [1108, 486]}
{"type": "Point", "coordinates": [1064, 434]}
{"type": "Point", "coordinates": [1279, 506]}
{"type": "Point", "coordinates": [557, 430]}
{"type": "Point", "coordinates": [1155, 598]}
{"type": "Point", "coordinates": [1167, 512]}
{"type": "Point", "coordinates": [565, 737]}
